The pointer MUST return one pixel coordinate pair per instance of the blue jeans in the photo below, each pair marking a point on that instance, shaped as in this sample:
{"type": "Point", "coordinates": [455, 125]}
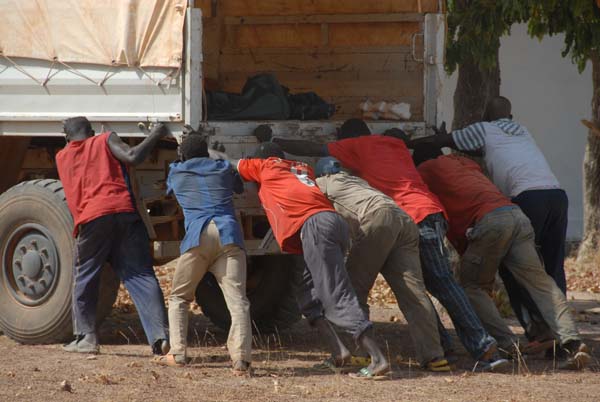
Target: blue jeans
{"type": "Point", "coordinates": [121, 240]}
{"type": "Point", "coordinates": [440, 282]}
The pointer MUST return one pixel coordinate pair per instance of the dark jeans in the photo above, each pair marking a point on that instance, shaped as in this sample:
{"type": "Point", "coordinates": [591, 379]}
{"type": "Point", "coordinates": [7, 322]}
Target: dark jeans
{"type": "Point", "coordinates": [121, 240]}
{"type": "Point", "coordinates": [547, 211]}
{"type": "Point", "coordinates": [323, 288]}
{"type": "Point", "coordinates": [440, 282]}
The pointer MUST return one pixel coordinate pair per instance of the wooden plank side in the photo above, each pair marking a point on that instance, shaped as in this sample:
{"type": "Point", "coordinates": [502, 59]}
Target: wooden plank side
{"type": "Point", "coordinates": [12, 153]}
{"type": "Point", "coordinates": [272, 36]}
{"type": "Point", "coordinates": [320, 62]}
{"type": "Point", "coordinates": [300, 7]}
{"type": "Point", "coordinates": [373, 34]}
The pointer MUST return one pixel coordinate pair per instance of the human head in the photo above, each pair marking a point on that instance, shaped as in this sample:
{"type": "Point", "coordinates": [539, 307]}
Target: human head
{"type": "Point", "coordinates": [498, 108]}
{"type": "Point", "coordinates": [326, 166]}
{"type": "Point", "coordinates": [267, 150]}
{"type": "Point", "coordinates": [353, 128]}
{"type": "Point", "coordinates": [77, 128]}
{"type": "Point", "coordinates": [193, 146]}
{"type": "Point", "coordinates": [424, 152]}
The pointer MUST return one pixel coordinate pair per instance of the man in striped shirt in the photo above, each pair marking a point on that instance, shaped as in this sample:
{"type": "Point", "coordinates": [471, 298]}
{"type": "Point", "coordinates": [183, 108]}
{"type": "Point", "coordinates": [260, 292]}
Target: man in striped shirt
{"type": "Point", "coordinates": [518, 168]}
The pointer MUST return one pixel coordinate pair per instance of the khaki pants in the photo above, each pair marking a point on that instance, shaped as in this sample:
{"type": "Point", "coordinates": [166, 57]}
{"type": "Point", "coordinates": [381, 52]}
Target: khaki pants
{"type": "Point", "coordinates": [389, 244]}
{"type": "Point", "coordinates": [505, 237]}
{"type": "Point", "coordinates": [228, 265]}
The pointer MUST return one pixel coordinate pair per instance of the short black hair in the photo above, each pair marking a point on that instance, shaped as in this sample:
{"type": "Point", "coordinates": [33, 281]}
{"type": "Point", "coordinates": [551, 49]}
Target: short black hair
{"type": "Point", "coordinates": [193, 146]}
{"type": "Point", "coordinates": [353, 128]}
{"type": "Point", "coordinates": [267, 150]}
{"type": "Point", "coordinates": [77, 127]}
{"type": "Point", "coordinates": [424, 153]}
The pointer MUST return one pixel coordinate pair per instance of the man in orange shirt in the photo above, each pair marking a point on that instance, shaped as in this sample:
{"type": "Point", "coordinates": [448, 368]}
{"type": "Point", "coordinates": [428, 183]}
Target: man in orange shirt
{"type": "Point", "coordinates": [304, 222]}
{"type": "Point", "coordinates": [488, 231]}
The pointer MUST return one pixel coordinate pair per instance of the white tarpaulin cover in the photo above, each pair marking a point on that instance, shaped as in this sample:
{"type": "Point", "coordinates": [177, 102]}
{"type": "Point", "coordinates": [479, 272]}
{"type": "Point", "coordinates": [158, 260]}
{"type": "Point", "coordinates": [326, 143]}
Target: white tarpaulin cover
{"type": "Point", "coordinates": [124, 32]}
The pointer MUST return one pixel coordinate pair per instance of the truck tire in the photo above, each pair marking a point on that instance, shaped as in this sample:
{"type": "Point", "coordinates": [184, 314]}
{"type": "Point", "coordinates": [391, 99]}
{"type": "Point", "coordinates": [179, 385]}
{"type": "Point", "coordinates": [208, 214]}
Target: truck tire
{"type": "Point", "coordinates": [269, 290]}
{"type": "Point", "coordinates": [36, 278]}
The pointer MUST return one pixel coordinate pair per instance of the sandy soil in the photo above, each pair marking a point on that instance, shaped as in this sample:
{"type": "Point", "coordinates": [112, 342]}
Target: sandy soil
{"type": "Point", "coordinates": [283, 369]}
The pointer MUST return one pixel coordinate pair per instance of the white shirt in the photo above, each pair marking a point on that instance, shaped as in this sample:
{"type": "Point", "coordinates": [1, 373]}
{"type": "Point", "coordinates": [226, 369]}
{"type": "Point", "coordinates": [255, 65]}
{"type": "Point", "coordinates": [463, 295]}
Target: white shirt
{"type": "Point", "coordinates": [513, 159]}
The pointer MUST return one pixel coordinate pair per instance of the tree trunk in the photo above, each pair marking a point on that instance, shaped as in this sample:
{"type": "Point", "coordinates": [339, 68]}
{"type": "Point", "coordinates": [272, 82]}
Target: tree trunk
{"type": "Point", "coordinates": [591, 178]}
{"type": "Point", "coordinates": [473, 90]}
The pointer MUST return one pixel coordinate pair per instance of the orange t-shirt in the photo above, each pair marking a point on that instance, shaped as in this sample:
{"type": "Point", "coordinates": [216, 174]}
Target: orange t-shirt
{"type": "Point", "coordinates": [289, 195]}
{"type": "Point", "coordinates": [466, 193]}
{"type": "Point", "coordinates": [386, 164]}
{"type": "Point", "coordinates": [95, 182]}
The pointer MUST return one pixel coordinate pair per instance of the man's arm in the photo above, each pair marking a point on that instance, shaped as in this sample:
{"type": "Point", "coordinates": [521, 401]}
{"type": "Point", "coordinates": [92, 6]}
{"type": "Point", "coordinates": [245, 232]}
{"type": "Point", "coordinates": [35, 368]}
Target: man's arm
{"type": "Point", "coordinates": [301, 147]}
{"type": "Point", "coordinates": [138, 153]}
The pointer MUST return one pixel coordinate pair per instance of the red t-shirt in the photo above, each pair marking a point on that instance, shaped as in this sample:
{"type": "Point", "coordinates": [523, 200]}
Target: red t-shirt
{"type": "Point", "coordinates": [94, 181]}
{"type": "Point", "coordinates": [289, 195]}
{"type": "Point", "coordinates": [386, 164]}
{"type": "Point", "coordinates": [466, 193]}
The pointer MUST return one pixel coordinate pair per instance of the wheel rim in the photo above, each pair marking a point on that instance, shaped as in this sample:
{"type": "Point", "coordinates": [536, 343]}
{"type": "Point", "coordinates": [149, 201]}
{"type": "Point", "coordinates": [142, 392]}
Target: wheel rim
{"type": "Point", "coordinates": [31, 264]}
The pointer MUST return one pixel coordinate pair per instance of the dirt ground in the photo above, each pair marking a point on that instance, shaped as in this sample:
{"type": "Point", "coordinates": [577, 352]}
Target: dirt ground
{"type": "Point", "coordinates": [283, 368]}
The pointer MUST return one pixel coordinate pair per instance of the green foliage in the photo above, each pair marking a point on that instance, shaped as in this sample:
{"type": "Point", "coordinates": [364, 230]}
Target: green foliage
{"type": "Point", "coordinates": [579, 20]}
{"type": "Point", "coordinates": [475, 28]}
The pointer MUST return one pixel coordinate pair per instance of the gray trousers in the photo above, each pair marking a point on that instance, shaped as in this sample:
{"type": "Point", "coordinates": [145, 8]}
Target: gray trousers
{"type": "Point", "coordinates": [323, 288]}
{"type": "Point", "coordinates": [389, 244]}
{"type": "Point", "coordinates": [505, 237]}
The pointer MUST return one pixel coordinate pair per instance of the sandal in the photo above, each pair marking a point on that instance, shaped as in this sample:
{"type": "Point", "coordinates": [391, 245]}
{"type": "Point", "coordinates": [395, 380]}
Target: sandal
{"type": "Point", "coordinates": [366, 374]}
{"type": "Point", "coordinates": [438, 365]}
{"type": "Point", "coordinates": [167, 360]}
{"type": "Point", "coordinates": [242, 371]}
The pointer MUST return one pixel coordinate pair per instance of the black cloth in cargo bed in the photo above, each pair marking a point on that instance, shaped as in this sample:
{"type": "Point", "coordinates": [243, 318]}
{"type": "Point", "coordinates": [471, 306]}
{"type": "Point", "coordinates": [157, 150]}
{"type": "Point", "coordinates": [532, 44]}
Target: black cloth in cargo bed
{"type": "Point", "coordinates": [264, 98]}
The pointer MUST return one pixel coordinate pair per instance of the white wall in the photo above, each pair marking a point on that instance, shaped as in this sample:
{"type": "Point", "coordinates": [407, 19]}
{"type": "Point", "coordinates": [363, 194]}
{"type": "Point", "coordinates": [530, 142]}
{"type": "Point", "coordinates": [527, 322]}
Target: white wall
{"type": "Point", "coordinates": [550, 98]}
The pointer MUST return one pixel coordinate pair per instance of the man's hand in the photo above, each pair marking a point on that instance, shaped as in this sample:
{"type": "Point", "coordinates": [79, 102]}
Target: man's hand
{"type": "Point", "coordinates": [161, 130]}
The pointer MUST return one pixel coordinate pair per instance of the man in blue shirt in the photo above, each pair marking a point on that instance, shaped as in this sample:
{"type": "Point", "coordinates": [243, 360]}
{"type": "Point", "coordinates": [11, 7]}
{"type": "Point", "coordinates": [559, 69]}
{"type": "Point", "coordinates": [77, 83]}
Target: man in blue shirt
{"type": "Point", "coordinates": [213, 243]}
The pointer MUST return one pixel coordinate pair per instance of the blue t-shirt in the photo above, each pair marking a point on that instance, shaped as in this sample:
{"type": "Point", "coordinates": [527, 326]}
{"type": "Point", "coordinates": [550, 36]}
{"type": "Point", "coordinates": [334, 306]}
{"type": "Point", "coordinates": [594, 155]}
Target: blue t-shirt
{"type": "Point", "coordinates": [204, 189]}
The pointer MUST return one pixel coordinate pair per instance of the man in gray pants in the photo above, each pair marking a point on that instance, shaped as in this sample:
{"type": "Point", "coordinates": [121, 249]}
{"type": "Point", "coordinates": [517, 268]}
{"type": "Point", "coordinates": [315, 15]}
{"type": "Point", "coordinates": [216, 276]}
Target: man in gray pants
{"type": "Point", "coordinates": [385, 240]}
{"type": "Point", "coordinates": [304, 222]}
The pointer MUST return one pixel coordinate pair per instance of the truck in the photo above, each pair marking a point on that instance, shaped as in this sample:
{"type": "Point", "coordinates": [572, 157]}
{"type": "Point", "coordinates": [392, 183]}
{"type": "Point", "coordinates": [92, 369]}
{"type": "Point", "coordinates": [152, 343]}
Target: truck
{"type": "Point", "coordinates": [59, 60]}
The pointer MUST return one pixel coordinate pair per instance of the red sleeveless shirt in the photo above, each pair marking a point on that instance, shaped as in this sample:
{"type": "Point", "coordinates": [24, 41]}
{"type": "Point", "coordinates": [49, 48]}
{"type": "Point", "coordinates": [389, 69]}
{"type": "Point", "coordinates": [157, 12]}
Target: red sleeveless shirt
{"type": "Point", "coordinates": [95, 182]}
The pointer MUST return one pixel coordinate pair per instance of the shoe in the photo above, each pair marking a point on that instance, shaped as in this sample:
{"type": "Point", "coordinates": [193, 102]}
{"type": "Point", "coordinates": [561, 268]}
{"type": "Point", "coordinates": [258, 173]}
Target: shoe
{"type": "Point", "coordinates": [81, 345]}
{"type": "Point", "coordinates": [578, 356]}
{"type": "Point", "coordinates": [490, 361]}
{"type": "Point", "coordinates": [161, 347]}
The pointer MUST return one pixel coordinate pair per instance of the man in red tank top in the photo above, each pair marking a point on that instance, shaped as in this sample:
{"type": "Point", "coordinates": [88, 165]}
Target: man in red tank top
{"type": "Point", "coordinates": [108, 229]}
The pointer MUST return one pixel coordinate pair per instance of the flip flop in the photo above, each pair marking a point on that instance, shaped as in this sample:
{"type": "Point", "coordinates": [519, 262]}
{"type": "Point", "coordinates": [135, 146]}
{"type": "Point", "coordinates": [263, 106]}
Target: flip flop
{"type": "Point", "coordinates": [167, 360]}
{"type": "Point", "coordinates": [438, 366]}
{"type": "Point", "coordinates": [366, 374]}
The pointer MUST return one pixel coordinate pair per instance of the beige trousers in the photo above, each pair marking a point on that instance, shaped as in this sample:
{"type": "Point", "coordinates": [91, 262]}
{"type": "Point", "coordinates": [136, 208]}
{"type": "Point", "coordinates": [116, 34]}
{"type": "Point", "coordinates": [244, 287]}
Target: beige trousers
{"type": "Point", "coordinates": [506, 237]}
{"type": "Point", "coordinates": [389, 244]}
{"type": "Point", "coordinates": [228, 265]}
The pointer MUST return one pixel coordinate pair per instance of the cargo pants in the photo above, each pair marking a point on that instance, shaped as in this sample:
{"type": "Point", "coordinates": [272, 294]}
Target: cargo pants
{"type": "Point", "coordinates": [505, 237]}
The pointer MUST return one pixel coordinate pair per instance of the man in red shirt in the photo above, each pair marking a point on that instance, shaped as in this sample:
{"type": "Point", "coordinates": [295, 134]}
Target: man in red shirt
{"type": "Point", "coordinates": [386, 164]}
{"type": "Point", "coordinates": [304, 222]}
{"type": "Point", "coordinates": [108, 229]}
{"type": "Point", "coordinates": [488, 231]}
